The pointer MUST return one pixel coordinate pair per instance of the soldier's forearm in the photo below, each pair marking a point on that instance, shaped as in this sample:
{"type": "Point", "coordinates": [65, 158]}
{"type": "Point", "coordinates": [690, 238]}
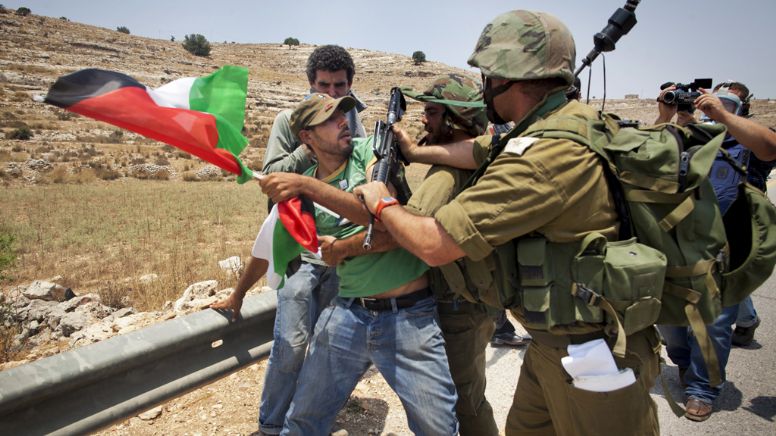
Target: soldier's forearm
{"type": "Point", "coordinates": [456, 155]}
{"type": "Point", "coordinates": [422, 236]}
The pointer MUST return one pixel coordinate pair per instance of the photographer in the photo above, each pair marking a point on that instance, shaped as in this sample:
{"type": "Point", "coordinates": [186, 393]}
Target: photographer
{"type": "Point", "coordinates": [729, 105]}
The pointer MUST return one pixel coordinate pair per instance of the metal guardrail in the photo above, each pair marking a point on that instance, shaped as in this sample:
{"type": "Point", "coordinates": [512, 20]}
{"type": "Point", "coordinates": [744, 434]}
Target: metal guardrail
{"type": "Point", "coordinates": [94, 386]}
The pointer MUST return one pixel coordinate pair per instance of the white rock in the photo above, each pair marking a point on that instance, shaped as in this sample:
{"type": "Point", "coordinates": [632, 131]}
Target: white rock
{"type": "Point", "coordinates": [37, 310]}
{"type": "Point", "coordinates": [45, 290]}
{"type": "Point", "coordinates": [74, 321]}
{"type": "Point", "coordinates": [75, 302]}
{"type": "Point", "coordinates": [147, 279]}
{"type": "Point", "coordinates": [196, 291]}
{"type": "Point", "coordinates": [151, 414]}
{"type": "Point", "coordinates": [232, 265]}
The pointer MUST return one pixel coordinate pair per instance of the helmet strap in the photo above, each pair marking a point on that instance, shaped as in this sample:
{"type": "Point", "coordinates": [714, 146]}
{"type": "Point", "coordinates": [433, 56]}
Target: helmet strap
{"type": "Point", "coordinates": [489, 93]}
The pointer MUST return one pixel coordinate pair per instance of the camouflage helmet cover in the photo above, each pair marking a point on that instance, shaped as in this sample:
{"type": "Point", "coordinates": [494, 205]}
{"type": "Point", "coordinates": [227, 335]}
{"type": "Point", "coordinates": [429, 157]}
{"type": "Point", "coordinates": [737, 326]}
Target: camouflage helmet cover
{"type": "Point", "coordinates": [461, 97]}
{"type": "Point", "coordinates": [525, 45]}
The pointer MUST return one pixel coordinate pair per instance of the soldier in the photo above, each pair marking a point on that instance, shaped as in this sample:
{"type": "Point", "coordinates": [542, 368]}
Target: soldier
{"type": "Point", "coordinates": [533, 201]}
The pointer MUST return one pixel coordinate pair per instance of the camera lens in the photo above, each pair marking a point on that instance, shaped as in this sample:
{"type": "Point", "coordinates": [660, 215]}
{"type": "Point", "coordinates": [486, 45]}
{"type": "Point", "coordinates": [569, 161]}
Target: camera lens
{"type": "Point", "coordinates": [669, 97]}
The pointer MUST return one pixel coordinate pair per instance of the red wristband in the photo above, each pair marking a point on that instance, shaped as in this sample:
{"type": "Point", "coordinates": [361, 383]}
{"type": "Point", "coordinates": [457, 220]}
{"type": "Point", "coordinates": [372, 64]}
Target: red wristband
{"type": "Point", "coordinates": [382, 204]}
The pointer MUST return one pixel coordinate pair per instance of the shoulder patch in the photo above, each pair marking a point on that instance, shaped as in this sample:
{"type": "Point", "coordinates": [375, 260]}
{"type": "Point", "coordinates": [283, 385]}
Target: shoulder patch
{"type": "Point", "coordinates": [518, 146]}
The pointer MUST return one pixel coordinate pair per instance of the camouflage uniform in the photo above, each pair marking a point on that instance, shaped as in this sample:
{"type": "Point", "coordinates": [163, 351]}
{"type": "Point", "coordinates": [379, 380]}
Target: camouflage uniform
{"type": "Point", "coordinates": [467, 326]}
{"type": "Point", "coordinates": [555, 190]}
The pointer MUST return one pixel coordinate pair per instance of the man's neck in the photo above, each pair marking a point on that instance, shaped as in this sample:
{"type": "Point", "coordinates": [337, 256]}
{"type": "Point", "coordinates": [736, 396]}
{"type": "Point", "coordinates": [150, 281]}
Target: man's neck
{"type": "Point", "coordinates": [460, 135]}
{"type": "Point", "coordinates": [327, 165]}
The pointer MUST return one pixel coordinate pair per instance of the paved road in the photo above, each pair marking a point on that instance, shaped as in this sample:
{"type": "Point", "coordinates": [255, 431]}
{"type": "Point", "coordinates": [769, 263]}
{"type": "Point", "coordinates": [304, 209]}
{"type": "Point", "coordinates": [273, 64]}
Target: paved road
{"type": "Point", "coordinates": [747, 405]}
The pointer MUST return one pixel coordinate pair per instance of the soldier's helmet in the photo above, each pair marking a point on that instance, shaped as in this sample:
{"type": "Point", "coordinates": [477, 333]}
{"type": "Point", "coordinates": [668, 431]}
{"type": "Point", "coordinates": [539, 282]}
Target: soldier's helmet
{"type": "Point", "coordinates": [461, 96]}
{"type": "Point", "coordinates": [525, 45]}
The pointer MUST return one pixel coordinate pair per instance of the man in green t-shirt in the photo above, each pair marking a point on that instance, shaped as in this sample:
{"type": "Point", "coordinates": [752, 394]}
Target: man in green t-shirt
{"type": "Point", "coordinates": [310, 284]}
{"type": "Point", "coordinates": [384, 314]}
{"type": "Point", "coordinates": [453, 111]}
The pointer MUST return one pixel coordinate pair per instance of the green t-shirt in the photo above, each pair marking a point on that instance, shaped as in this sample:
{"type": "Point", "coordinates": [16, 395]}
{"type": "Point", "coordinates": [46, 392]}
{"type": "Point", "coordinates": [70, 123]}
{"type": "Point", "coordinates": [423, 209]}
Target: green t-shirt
{"type": "Point", "coordinates": [370, 274]}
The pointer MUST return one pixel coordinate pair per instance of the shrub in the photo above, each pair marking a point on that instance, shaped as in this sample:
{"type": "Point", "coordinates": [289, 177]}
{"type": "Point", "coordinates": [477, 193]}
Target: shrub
{"type": "Point", "coordinates": [9, 328]}
{"type": "Point", "coordinates": [106, 172]}
{"type": "Point", "coordinates": [196, 44]}
{"type": "Point", "coordinates": [291, 41]}
{"type": "Point", "coordinates": [60, 174]}
{"type": "Point", "coordinates": [23, 11]}
{"type": "Point", "coordinates": [116, 136]}
{"type": "Point", "coordinates": [123, 29]}
{"type": "Point", "coordinates": [418, 57]}
{"type": "Point", "coordinates": [22, 133]}
{"type": "Point", "coordinates": [7, 252]}
{"type": "Point", "coordinates": [66, 115]}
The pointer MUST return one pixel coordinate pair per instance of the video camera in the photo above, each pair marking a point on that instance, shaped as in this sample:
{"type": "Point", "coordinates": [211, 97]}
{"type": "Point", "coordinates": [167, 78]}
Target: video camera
{"type": "Point", "coordinates": [685, 94]}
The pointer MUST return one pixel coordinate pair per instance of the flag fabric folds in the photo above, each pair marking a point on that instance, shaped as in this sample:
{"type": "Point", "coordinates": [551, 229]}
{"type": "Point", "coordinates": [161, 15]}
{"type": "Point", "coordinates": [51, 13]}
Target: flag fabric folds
{"type": "Point", "coordinates": [202, 116]}
{"type": "Point", "coordinates": [286, 232]}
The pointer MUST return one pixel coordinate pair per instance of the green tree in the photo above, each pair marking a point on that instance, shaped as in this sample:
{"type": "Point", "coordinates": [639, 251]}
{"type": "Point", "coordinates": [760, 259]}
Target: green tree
{"type": "Point", "coordinates": [418, 57]}
{"type": "Point", "coordinates": [23, 11]}
{"type": "Point", "coordinates": [196, 44]}
{"type": "Point", "coordinates": [291, 41]}
{"type": "Point", "coordinates": [123, 29]}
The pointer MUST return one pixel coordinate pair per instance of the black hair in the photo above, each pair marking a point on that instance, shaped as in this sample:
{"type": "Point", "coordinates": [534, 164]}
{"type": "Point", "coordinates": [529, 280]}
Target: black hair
{"type": "Point", "coordinates": [330, 58]}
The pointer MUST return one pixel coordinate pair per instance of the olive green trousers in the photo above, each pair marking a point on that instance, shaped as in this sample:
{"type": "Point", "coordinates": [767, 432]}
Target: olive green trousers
{"type": "Point", "coordinates": [547, 403]}
{"type": "Point", "coordinates": [467, 329]}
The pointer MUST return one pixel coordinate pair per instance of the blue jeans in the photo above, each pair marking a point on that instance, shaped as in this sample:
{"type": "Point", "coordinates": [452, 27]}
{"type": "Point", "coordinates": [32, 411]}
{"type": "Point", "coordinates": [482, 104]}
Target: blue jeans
{"type": "Point", "coordinates": [405, 345]}
{"type": "Point", "coordinates": [300, 302]}
{"type": "Point", "coordinates": [746, 313]}
{"type": "Point", "coordinates": [683, 349]}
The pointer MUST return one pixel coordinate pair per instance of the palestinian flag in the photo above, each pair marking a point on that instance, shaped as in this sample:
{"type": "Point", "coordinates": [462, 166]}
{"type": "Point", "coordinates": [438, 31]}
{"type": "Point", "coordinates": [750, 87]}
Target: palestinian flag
{"type": "Point", "coordinates": [202, 116]}
{"type": "Point", "coordinates": [288, 230]}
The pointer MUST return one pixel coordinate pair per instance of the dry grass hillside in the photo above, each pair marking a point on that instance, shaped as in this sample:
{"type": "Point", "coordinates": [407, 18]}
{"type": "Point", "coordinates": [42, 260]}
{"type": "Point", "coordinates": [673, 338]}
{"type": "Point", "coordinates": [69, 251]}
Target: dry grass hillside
{"type": "Point", "coordinates": [100, 206]}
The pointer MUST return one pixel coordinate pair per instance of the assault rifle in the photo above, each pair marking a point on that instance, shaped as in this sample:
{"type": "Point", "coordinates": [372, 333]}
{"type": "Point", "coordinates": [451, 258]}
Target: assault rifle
{"type": "Point", "coordinates": [388, 155]}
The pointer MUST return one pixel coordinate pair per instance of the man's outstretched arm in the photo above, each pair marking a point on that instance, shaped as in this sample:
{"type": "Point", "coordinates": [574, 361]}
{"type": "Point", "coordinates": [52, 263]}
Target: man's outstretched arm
{"type": "Point", "coordinates": [282, 186]}
{"type": "Point", "coordinates": [758, 138]}
{"type": "Point", "coordinates": [255, 270]}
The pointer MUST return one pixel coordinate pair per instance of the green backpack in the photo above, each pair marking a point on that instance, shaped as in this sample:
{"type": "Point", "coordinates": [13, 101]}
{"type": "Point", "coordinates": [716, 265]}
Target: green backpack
{"type": "Point", "coordinates": [659, 178]}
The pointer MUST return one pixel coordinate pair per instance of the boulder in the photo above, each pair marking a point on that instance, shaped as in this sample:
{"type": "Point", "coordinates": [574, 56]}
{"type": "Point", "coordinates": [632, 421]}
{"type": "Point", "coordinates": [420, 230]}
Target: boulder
{"type": "Point", "coordinates": [197, 291]}
{"type": "Point", "coordinates": [37, 310]}
{"type": "Point", "coordinates": [74, 321]}
{"type": "Point", "coordinates": [45, 290]}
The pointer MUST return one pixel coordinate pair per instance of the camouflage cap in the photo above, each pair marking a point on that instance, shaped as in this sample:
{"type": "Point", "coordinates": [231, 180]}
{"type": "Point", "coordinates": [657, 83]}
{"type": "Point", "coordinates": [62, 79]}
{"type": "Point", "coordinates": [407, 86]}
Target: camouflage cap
{"type": "Point", "coordinates": [461, 96]}
{"type": "Point", "coordinates": [316, 109]}
{"type": "Point", "coordinates": [525, 45]}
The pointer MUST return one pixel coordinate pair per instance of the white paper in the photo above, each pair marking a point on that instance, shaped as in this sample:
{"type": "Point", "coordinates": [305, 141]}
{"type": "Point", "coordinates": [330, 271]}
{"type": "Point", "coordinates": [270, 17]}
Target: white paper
{"type": "Point", "coordinates": [592, 367]}
{"type": "Point", "coordinates": [590, 358]}
{"type": "Point", "coordinates": [606, 383]}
